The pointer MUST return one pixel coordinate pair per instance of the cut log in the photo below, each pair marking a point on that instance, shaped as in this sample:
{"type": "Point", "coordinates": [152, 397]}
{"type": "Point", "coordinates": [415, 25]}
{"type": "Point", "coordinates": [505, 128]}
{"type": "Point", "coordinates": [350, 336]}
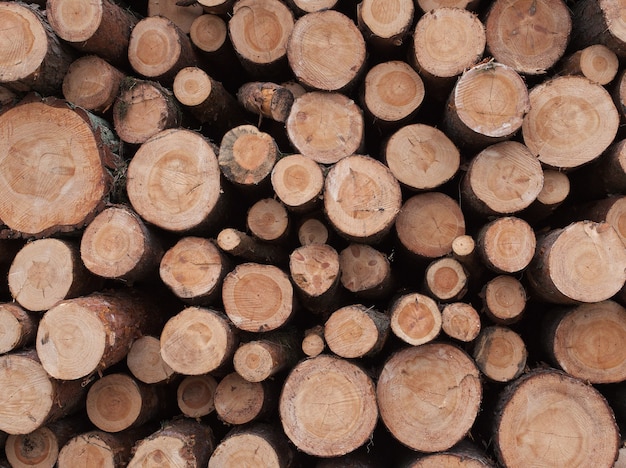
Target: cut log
{"type": "Point", "coordinates": [609, 172]}
{"type": "Point", "coordinates": [421, 157]}
{"type": "Point", "coordinates": [313, 343]}
{"type": "Point", "coordinates": [427, 5]}
{"type": "Point", "coordinates": [465, 252]}
{"type": "Point", "coordinates": [415, 318]}
{"type": "Point", "coordinates": [428, 223]}
{"type": "Point", "coordinates": [255, 445]}
{"type": "Point", "coordinates": [173, 181]}
{"type": "Point", "coordinates": [446, 280]}
{"type": "Point", "coordinates": [195, 395]}
{"type": "Point", "coordinates": [313, 231]}
{"type": "Point", "coordinates": [362, 199]}
{"type": "Point", "coordinates": [500, 353]}
{"type": "Point", "coordinates": [465, 454]}
{"type": "Point", "coordinates": [247, 156]}
{"type": "Point", "coordinates": [326, 51]}
{"type": "Point", "coordinates": [506, 245]}
{"type": "Point", "coordinates": [460, 321]}
{"type": "Point", "coordinates": [611, 210]}
{"type": "Point", "coordinates": [502, 179]}
{"type": "Point", "coordinates": [259, 31]}
{"type": "Point", "coordinates": [325, 127]}
{"type": "Point", "coordinates": [143, 109]}
{"type": "Point", "coordinates": [392, 93]}
{"type": "Point", "coordinates": [118, 245]}
{"type": "Point", "coordinates": [356, 331]}
{"type": "Point", "coordinates": [47, 271]}
{"type": "Point", "coordinates": [101, 27]}
{"type": "Point", "coordinates": [18, 327]}
{"type": "Point", "coordinates": [194, 269]}
{"type": "Point", "coordinates": [504, 299]}
{"type": "Point", "coordinates": [268, 220]}
{"type": "Point", "coordinates": [181, 15]}
{"type": "Point", "coordinates": [486, 106]}
{"type": "Point", "coordinates": [258, 298]}
{"type": "Point", "coordinates": [216, 7]}
{"type": "Point", "coordinates": [528, 35]}
{"type": "Point", "coordinates": [596, 62]}
{"type": "Point", "coordinates": [158, 49]}
{"type": "Point", "coordinates": [571, 121]}
{"type": "Point", "coordinates": [117, 402]}
{"type": "Point", "coordinates": [586, 341]}
{"type": "Point", "coordinates": [260, 359]}
{"type": "Point", "coordinates": [248, 248]}
{"type": "Point", "coordinates": [92, 83]}
{"type": "Point", "coordinates": [385, 24]}
{"type": "Point", "coordinates": [88, 334]}
{"type": "Point", "coordinates": [30, 398]}
{"type": "Point", "coordinates": [197, 341]}
{"type": "Point", "coordinates": [446, 41]}
{"type": "Point", "coordinates": [365, 271]}
{"type": "Point", "coordinates": [555, 190]}
{"type": "Point", "coordinates": [32, 56]}
{"type": "Point", "coordinates": [145, 363]}
{"type": "Point", "coordinates": [429, 396]}
{"type": "Point", "coordinates": [54, 156]}
{"type": "Point", "coordinates": [209, 33]}
{"type": "Point", "coordinates": [239, 401]}
{"type": "Point", "coordinates": [298, 182]}
{"type": "Point", "coordinates": [583, 262]}
{"type": "Point", "coordinates": [301, 7]}
{"type": "Point", "coordinates": [328, 406]}
{"type": "Point", "coordinates": [266, 99]}
{"type": "Point", "coordinates": [181, 442]}
{"type": "Point", "coordinates": [599, 22]}
{"type": "Point", "coordinates": [578, 429]}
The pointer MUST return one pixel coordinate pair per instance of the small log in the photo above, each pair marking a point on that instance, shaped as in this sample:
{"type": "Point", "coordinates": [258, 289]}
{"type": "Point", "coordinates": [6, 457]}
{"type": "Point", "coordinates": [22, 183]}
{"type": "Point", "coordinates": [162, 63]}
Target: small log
{"type": "Point", "coordinates": [180, 442]}
{"type": "Point", "coordinates": [258, 298]}
{"type": "Point", "coordinates": [465, 252]}
{"type": "Point", "coordinates": [427, 5]}
{"type": "Point", "coordinates": [578, 430]}
{"type": "Point", "coordinates": [197, 341]}
{"type": "Point", "coordinates": [181, 15]}
{"type": "Point", "coordinates": [30, 398]}
{"type": "Point", "coordinates": [117, 402]}
{"type": "Point", "coordinates": [529, 36]}
{"type": "Point", "coordinates": [260, 359]}
{"type": "Point", "coordinates": [88, 334]}
{"type": "Point", "coordinates": [298, 182]}
{"type": "Point", "coordinates": [194, 269]}
{"type": "Point", "coordinates": [465, 453]}
{"type": "Point", "coordinates": [555, 190]}
{"type": "Point", "coordinates": [356, 331]}
{"type": "Point", "coordinates": [392, 93]}
{"type": "Point", "coordinates": [429, 396]}
{"type": "Point", "coordinates": [415, 318]}
{"type": "Point", "coordinates": [553, 134]}
{"type": "Point", "coordinates": [239, 401]}
{"type": "Point", "coordinates": [487, 105]}
{"type": "Point", "coordinates": [261, 45]}
{"type": "Point", "coordinates": [583, 262]}
{"type": "Point", "coordinates": [258, 444]}
{"type": "Point", "coordinates": [247, 156]}
{"type": "Point", "coordinates": [209, 33]}
{"type": "Point", "coordinates": [173, 181]}
{"type": "Point", "coordinates": [102, 27]}
{"type": "Point", "coordinates": [195, 395]}
{"type": "Point", "coordinates": [248, 248]}
{"type": "Point", "coordinates": [33, 57]}
{"type": "Point", "coordinates": [118, 245]}
{"type": "Point", "coordinates": [143, 109]}
{"type": "Point", "coordinates": [216, 7]}
{"type": "Point", "coordinates": [145, 363]}
{"type": "Point", "coordinates": [92, 83]}
{"type": "Point", "coordinates": [506, 245]}
{"type": "Point", "coordinates": [502, 179]}
{"type": "Point", "coordinates": [504, 299]}
{"type": "Point", "coordinates": [268, 220]}
{"type": "Point", "coordinates": [500, 353]}
{"type": "Point", "coordinates": [385, 24]}
{"type": "Point", "coordinates": [56, 156]}
{"type": "Point", "coordinates": [596, 62]}
{"type": "Point", "coordinates": [18, 327]}
{"type": "Point", "coordinates": [266, 99]}
{"type": "Point", "coordinates": [302, 7]}
{"type": "Point", "coordinates": [159, 49]}
{"type": "Point", "coordinates": [313, 231]}
{"type": "Point", "coordinates": [586, 341]}
{"type": "Point", "coordinates": [459, 320]}
{"type": "Point", "coordinates": [328, 406]}
{"type": "Point", "coordinates": [325, 127]}
{"type": "Point", "coordinates": [428, 223]}
{"type": "Point", "coordinates": [47, 271]}
{"type": "Point", "coordinates": [598, 22]}
{"type": "Point", "coordinates": [446, 41]}
{"type": "Point", "coordinates": [330, 65]}
{"type": "Point", "coordinates": [362, 199]}
{"type": "Point", "coordinates": [611, 210]}
{"type": "Point", "coordinates": [365, 271]}
{"type": "Point", "coordinates": [421, 157]}
{"type": "Point", "coordinates": [313, 343]}
{"type": "Point", "coordinates": [446, 280]}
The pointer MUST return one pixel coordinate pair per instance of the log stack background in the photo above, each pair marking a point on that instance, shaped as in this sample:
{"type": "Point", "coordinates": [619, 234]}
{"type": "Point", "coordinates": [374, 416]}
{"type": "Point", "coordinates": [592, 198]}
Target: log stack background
{"type": "Point", "coordinates": [312, 233]}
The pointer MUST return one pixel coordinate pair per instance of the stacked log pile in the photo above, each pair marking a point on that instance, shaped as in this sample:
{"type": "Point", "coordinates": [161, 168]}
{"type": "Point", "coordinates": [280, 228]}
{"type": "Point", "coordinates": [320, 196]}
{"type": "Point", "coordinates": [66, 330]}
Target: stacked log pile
{"type": "Point", "coordinates": [312, 233]}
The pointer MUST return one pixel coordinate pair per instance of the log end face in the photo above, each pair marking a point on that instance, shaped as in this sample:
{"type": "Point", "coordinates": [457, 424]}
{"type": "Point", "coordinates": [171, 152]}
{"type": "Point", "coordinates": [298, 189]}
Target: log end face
{"type": "Point", "coordinates": [74, 20]}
